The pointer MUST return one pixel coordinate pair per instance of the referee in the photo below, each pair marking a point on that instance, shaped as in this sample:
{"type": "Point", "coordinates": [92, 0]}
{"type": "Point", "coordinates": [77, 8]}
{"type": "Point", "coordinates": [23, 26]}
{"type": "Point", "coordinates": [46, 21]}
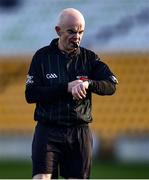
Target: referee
{"type": "Point", "coordinates": [61, 78]}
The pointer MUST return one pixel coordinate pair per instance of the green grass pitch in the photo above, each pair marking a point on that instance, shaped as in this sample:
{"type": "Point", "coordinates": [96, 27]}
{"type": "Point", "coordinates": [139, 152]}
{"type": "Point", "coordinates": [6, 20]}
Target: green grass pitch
{"type": "Point", "coordinates": [103, 170]}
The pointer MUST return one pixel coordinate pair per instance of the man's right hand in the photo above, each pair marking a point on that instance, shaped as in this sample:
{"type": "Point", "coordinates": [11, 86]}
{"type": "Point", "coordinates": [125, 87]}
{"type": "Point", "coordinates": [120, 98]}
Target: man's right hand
{"type": "Point", "coordinates": [78, 88]}
{"type": "Point", "coordinates": [73, 84]}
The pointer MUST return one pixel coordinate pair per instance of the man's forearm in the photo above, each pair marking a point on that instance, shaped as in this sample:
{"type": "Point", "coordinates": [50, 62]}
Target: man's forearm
{"type": "Point", "coordinates": [104, 87]}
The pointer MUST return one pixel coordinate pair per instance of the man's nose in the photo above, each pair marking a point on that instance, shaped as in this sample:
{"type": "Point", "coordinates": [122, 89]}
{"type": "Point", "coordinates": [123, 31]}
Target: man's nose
{"type": "Point", "coordinates": [76, 35]}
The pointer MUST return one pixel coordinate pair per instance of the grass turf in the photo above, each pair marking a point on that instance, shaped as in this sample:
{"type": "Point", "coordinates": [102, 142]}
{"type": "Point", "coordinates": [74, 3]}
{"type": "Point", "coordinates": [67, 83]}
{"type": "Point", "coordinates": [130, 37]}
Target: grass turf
{"type": "Point", "coordinates": [104, 170]}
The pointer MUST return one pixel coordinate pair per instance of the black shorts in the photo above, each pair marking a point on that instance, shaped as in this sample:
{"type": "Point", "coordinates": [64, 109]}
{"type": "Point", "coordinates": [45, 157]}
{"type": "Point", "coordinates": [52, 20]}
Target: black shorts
{"type": "Point", "coordinates": [64, 149]}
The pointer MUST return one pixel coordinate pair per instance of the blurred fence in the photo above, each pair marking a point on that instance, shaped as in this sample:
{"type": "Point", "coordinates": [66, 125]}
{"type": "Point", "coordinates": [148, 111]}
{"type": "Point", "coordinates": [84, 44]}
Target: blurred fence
{"type": "Point", "coordinates": [111, 25]}
{"type": "Point", "coordinates": [126, 112]}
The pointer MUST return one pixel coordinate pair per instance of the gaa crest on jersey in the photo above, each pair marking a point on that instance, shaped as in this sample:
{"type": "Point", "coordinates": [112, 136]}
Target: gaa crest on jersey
{"type": "Point", "coordinates": [29, 80]}
{"type": "Point", "coordinates": [51, 76]}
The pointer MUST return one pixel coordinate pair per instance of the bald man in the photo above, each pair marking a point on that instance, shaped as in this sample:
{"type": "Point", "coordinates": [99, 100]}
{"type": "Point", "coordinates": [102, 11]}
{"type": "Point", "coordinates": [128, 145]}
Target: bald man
{"type": "Point", "coordinates": [61, 79]}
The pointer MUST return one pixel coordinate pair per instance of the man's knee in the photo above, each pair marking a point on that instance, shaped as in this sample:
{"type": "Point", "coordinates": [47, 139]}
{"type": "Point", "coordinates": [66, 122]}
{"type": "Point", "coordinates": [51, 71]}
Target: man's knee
{"type": "Point", "coordinates": [42, 176]}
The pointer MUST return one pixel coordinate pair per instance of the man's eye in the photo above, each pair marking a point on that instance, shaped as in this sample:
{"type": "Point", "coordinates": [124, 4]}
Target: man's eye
{"type": "Point", "coordinates": [80, 32]}
{"type": "Point", "coordinates": [74, 32]}
{"type": "Point", "coordinates": [70, 31]}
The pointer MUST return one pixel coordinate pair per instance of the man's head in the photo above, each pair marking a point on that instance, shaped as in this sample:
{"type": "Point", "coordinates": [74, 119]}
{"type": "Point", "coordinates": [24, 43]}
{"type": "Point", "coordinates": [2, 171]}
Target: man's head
{"type": "Point", "coordinates": [70, 29]}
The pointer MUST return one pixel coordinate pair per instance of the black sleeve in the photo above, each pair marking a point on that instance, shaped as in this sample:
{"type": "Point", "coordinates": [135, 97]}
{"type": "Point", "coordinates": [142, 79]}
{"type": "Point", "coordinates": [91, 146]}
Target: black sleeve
{"type": "Point", "coordinates": [103, 81]}
{"type": "Point", "coordinates": [36, 91]}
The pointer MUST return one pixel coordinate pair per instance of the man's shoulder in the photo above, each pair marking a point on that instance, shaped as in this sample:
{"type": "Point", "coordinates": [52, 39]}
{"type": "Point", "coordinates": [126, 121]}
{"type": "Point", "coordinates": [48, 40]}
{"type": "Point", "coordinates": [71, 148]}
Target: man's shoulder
{"type": "Point", "coordinates": [43, 50]}
{"type": "Point", "coordinates": [41, 54]}
{"type": "Point", "coordinates": [51, 48]}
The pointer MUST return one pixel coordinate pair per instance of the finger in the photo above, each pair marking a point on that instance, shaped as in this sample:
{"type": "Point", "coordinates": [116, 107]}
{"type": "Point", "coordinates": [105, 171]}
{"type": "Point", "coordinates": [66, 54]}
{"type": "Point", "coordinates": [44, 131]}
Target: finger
{"type": "Point", "coordinates": [74, 93]}
{"type": "Point", "coordinates": [79, 92]}
{"type": "Point", "coordinates": [82, 87]}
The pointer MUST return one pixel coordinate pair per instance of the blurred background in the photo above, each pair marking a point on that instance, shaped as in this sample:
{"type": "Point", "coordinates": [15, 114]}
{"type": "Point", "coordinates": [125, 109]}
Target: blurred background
{"type": "Point", "coordinates": [118, 31]}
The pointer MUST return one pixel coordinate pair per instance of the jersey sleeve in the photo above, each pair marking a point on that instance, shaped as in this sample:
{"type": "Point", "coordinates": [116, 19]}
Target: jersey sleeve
{"type": "Point", "coordinates": [103, 81]}
{"type": "Point", "coordinates": [36, 91]}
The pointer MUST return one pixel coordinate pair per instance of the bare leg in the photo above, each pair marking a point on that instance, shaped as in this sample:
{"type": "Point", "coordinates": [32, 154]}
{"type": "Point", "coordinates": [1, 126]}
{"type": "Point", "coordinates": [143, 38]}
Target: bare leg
{"type": "Point", "coordinates": [42, 176]}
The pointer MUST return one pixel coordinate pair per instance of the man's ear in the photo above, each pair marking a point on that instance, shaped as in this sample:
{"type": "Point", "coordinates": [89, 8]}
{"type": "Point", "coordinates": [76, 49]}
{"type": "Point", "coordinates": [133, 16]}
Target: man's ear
{"type": "Point", "coordinates": [58, 30]}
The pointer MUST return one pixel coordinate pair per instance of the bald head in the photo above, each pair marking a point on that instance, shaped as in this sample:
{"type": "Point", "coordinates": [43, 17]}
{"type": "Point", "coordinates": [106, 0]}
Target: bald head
{"type": "Point", "coordinates": [70, 15]}
{"type": "Point", "coordinates": [70, 29]}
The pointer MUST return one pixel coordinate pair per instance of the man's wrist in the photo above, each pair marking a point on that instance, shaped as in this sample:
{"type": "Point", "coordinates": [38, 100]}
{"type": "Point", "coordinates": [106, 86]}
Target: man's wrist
{"type": "Point", "coordinates": [89, 82]}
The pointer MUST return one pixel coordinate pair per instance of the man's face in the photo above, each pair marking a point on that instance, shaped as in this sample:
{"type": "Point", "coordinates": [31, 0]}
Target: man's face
{"type": "Point", "coordinates": [69, 35]}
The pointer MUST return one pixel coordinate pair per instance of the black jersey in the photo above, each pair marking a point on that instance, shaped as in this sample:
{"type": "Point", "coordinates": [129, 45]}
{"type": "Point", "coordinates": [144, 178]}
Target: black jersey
{"type": "Point", "coordinates": [47, 83]}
